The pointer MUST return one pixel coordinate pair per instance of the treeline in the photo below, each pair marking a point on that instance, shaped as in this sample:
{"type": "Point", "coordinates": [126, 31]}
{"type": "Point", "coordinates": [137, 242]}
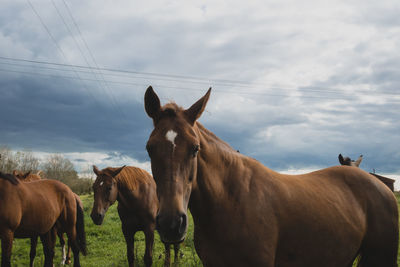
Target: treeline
{"type": "Point", "coordinates": [55, 167]}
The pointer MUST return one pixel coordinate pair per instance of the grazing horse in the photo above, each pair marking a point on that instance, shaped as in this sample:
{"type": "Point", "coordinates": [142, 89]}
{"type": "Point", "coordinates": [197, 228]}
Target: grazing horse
{"type": "Point", "coordinates": [39, 208]}
{"type": "Point", "coordinates": [246, 214]}
{"type": "Point", "coordinates": [135, 191]}
{"type": "Point", "coordinates": [347, 161]}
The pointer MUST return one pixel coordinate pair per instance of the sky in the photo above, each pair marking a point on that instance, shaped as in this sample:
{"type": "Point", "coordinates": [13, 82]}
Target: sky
{"type": "Point", "coordinates": [294, 83]}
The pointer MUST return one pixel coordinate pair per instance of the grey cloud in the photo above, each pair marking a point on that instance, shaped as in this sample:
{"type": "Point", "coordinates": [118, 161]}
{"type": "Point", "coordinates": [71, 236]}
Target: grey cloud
{"type": "Point", "coordinates": [314, 119]}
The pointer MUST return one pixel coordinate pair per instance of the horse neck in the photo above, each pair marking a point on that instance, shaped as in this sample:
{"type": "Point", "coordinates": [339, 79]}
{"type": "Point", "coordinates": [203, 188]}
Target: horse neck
{"type": "Point", "coordinates": [218, 166]}
{"type": "Point", "coordinates": [123, 192]}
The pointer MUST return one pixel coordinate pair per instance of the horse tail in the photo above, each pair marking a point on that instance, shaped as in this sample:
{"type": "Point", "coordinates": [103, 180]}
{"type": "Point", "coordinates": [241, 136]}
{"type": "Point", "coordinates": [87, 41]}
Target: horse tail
{"type": "Point", "coordinates": [80, 228]}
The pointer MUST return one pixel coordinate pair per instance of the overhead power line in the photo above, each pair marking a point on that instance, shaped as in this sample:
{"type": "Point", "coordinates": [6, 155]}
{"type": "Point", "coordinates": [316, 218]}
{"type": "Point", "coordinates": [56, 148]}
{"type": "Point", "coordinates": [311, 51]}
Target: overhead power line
{"type": "Point", "coordinates": [103, 85]}
{"type": "Point", "coordinates": [132, 75]}
{"type": "Point", "coordinates": [58, 47]}
{"type": "Point", "coordinates": [143, 85]}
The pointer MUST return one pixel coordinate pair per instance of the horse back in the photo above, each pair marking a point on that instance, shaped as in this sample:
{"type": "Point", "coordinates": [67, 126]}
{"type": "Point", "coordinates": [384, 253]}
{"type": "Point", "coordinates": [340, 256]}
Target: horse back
{"type": "Point", "coordinates": [42, 203]}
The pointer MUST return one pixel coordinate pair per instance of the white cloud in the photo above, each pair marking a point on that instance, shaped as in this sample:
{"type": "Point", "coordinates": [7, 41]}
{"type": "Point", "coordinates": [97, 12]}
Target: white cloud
{"type": "Point", "coordinates": [83, 161]}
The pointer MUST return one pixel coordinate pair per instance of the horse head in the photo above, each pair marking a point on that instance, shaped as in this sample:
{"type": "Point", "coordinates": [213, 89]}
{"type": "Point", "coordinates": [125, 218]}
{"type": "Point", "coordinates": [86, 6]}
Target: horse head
{"type": "Point", "coordinates": [20, 175]}
{"type": "Point", "coordinates": [28, 176]}
{"type": "Point", "coordinates": [173, 147]}
{"type": "Point", "coordinates": [347, 161]}
{"type": "Point", "coordinates": [105, 192]}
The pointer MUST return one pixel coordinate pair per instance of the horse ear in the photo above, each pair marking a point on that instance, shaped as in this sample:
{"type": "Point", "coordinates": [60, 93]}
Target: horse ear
{"type": "Point", "coordinates": [117, 171]}
{"type": "Point", "coordinates": [358, 161]}
{"type": "Point", "coordinates": [39, 173]}
{"type": "Point", "coordinates": [95, 170]}
{"type": "Point", "coordinates": [15, 172]}
{"type": "Point", "coordinates": [341, 160]}
{"type": "Point", "coordinates": [152, 104]}
{"type": "Point", "coordinates": [27, 174]}
{"type": "Point", "coordinates": [195, 111]}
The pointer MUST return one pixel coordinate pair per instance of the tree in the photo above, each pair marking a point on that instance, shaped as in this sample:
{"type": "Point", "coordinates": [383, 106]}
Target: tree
{"type": "Point", "coordinates": [59, 168]}
{"type": "Point", "coordinates": [22, 160]}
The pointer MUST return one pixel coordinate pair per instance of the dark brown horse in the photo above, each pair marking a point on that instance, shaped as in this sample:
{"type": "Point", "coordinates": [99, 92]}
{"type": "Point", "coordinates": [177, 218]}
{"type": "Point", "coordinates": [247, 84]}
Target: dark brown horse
{"type": "Point", "coordinates": [39, 208]}
{"type": "Point", "coordinates": [135, 191]}
{"type": "Point", "coordinates": [245, 214]}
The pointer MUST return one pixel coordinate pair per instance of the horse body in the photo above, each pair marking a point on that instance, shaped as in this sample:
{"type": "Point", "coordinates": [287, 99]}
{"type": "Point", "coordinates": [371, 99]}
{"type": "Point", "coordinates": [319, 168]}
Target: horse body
{"type": "Point", "coordinates": [66, 254]}
{"type": "Point", "coordinates": [248, 215]}
{"type": "Point", "coordinates": [262, 218]}
{"type": "Point", "coordinates": [34, 209]}
{"type": "Point", "coordinates": [135, 191]}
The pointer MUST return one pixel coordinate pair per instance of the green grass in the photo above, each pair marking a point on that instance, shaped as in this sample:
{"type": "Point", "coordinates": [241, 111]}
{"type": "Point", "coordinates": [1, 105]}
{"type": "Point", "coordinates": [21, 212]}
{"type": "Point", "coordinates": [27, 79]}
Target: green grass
{"type": "Point", "coordinates": [106, 244]}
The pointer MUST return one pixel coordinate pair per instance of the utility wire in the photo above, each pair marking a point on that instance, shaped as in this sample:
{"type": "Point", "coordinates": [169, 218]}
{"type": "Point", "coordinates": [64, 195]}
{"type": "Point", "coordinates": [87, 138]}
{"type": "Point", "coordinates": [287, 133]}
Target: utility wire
{"type": "Point", "coordinates": [114, 73]}
{"type": "Point", "coordinates": [60, 49]}
{"type": "Point", "coordinates": [102, 86]}
{"type": "Point", "coordinates": [84, 42]}
{"type": "Point", "coordinates": [348, 97]}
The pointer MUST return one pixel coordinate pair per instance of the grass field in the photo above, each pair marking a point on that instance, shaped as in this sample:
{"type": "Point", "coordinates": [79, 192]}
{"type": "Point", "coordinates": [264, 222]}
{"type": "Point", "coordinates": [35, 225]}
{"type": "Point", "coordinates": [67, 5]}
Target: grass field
{"type": "Point", "coordinates": [106, 244]}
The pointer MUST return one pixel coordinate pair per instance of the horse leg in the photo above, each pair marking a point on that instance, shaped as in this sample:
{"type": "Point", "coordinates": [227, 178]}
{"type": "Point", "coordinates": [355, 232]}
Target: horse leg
{"type": "Point", "coordinates": [32, 253]}
{"type": "Point", "coordinates": [148, 255]}
{"type": "Point", "coordinates": [378, 255]}
{"type": "Point", "coordinates": [167, 259]}
{"type": "Point", "coordinates": [66, 257]}
{"type": "Point", "coordinates": [380, 245]}
{"type": "Point", "coordinates": [7, 238]}
{"type": "Point", "coordinates": [49, 242]}
{"type": "Point", "coordinates": [75, 250]}
{"type": "Point", "coordinates": [129, 239]}
{"type": "Point", "coordinates": [176, 256]}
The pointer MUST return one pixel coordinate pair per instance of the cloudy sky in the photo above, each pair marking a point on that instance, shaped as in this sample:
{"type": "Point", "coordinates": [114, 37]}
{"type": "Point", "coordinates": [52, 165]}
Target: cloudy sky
{"type": "Point", "coordinates": [295, 83]}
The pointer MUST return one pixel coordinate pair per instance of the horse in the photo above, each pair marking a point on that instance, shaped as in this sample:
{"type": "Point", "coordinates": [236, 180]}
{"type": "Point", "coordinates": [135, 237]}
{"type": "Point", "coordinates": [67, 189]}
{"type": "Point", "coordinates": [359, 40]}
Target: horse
{"type": "Point", "coordinates": [27, 176]}
{"type": "Point", "coordinates": [39, 208]}
{"type": "Point", "coordinates": [135, 190]}
{"type": "Point", "coordinates": [66, 256]}
{"type": "Point", "coordinates": [347, 161]}
{"type": "Point", "coordinates": [246, 214]}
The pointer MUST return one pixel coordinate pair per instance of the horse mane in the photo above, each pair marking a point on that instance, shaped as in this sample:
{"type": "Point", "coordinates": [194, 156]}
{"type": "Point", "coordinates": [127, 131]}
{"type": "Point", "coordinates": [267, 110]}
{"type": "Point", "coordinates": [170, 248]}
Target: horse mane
{"type": "Point", "coordinates": [9, 177]}
{"type": "Point", "coordinates": [212, 138]}
{"type": "Point", "coordinates": [131, 177]}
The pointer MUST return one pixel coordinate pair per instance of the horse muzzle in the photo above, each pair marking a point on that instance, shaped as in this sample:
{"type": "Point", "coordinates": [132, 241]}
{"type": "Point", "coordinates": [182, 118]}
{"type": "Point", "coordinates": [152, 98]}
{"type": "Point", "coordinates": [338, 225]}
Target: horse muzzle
{"type": "Point", "coordinates": [97, 218]}
{"type": "Point", "coordinates": [172, 229]}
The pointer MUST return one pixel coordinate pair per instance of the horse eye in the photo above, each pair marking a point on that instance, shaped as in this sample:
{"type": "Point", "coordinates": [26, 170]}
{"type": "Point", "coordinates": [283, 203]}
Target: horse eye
{"type": "Point", "coordinates": [196, 149]}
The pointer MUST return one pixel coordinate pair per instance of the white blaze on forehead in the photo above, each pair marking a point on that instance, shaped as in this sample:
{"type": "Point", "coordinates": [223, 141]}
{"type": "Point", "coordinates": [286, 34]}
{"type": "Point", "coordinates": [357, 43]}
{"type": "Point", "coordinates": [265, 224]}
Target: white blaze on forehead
{"type": "Point", "coordinates": [101, 183]}
{"type": "Point", "coordinates": [171, 135]}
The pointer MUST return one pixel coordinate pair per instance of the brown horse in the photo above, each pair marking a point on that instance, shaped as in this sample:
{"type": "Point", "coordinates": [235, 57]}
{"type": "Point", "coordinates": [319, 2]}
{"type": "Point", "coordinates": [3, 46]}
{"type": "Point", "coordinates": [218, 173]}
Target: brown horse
{"type": "Point", "coordinates": [135, 191]}
{"type": "Point", "coordinates": [66, 256]}
{"type": "Point", "coordinates": [39, 208]}
{"type": "Point", "coordinates": [28, 176]}
{"type": "Point", "coordinates": [347, 161]}
{"type": "Point", "coordinates": [245, 214]}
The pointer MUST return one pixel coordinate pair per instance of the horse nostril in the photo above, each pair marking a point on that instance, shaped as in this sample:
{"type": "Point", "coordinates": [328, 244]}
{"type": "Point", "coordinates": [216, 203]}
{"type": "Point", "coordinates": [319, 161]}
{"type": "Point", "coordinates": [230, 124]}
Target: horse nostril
{"type": "Point", "coordinates": [97, 218]}
{"type": "Point", "coordinates": [183, 223]}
